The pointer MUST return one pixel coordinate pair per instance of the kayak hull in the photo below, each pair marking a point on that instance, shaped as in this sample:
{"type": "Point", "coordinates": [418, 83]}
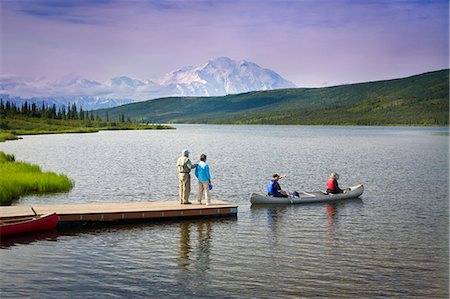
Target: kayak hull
{"type": "Point", "coordinates": [308, 197]}
{"type": "Point", "coordinates": [28, 224]}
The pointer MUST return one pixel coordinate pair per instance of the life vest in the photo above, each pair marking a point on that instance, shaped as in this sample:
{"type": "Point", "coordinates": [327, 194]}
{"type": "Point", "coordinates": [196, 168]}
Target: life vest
{"type": "Point", "coordinates": [330, 184]}
{"type": "Point", "coordinates": [270, 188]}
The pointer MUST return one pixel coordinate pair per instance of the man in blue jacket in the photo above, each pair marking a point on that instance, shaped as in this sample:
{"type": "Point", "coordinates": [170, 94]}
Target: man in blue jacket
{"type": "Point", "coordinates": [204, 180]}
{"type": "Point", "coordinates": [273, 187]}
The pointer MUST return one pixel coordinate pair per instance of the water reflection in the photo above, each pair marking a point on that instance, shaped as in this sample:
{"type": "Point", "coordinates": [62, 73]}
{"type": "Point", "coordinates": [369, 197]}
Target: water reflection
{"type": "Point", "coordinates": [185, 245]}
{"type": "Point", "coordinates": [47, 235]}
{"type": "Point", "coordinates": [381, 248]}
{"type": "Point", "coordinates": [331, 219]}
{"type": "Point", "coordinates": [201, 246]}
{"type": "Point", "coordinates": [307, 217]}
{"type": "Point", "coordinates": [272, 218]}
{"type": "Point", "coordinates": [274, 215]}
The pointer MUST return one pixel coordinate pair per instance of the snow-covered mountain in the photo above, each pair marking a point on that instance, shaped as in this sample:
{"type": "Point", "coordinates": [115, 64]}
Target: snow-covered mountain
{"type": "Point", "coordinates": [223, 76]}
{"type": "Point", "coordinates": [217, 77]}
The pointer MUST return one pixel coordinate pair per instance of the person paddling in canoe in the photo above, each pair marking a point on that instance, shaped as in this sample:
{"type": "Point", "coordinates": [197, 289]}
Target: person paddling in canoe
{"type": "Point", "coordinates": [274, 188]}
{"type": "Point", "coordinates": [332, 184]}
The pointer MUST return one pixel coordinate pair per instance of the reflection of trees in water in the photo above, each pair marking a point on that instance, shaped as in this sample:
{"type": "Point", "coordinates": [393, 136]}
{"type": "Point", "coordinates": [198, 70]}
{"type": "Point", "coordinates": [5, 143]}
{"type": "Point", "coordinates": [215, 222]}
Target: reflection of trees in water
{"type": "Point", "coordinates": [201, 246]}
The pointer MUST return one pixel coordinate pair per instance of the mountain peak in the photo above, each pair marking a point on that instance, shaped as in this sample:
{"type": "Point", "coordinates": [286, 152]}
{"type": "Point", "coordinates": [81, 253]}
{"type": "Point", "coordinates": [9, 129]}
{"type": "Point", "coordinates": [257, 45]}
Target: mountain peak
{"type": "Point", "coordinates": [222, 58]}
{"type": "Point", "coordinates": [221, 61]}
{"type": "Point", "coordinates": [226, 62]}
{"type": "Point", "coordinates": [223, 75]}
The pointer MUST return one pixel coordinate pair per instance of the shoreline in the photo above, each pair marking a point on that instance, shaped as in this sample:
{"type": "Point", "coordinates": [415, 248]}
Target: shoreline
{"type": "Point", "coordinates": [15, 134]}
{"type": "Point", "coordinates": [9, 136]}
{"type": "Point", "coordinates": [316, 125]}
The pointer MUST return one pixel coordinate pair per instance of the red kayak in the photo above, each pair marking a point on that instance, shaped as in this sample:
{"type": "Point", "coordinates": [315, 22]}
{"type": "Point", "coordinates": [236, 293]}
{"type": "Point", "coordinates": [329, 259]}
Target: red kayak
{"type": "Point", "coordinates": [27, 224]}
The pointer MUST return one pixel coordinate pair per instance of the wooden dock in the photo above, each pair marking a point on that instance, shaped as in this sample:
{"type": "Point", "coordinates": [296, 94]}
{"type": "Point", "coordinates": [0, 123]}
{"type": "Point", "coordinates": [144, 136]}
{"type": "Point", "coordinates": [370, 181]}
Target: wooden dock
{"type": "Point", "coordinates": [108, 212]}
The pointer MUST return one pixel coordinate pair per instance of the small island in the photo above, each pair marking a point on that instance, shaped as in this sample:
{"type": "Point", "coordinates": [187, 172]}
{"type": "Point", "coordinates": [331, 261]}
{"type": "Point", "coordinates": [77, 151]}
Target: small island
{"type": "Point", "coordinates": [20, 178]}
{"type": "Point", "coordinates": [31, 119]}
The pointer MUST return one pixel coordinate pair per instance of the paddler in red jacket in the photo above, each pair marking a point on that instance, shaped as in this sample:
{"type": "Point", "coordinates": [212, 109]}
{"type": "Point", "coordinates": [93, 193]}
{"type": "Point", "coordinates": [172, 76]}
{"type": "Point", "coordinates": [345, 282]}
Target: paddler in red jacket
{"type": "Point", "coordinates": [332, 184]}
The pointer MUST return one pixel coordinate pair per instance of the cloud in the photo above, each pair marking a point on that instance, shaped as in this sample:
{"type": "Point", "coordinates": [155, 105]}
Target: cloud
{"type": "Point", "coordinates": [70, 11]}
{"type": "Point", "coordinates": [308, 42]}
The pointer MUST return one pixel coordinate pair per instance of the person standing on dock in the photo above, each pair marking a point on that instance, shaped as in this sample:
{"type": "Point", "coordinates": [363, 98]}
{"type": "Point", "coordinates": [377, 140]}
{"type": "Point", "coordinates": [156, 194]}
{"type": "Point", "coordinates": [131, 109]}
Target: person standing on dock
{"type": "Point", "coordinates": [204, 180]}
{"type": "Point", "coordinates": [184, 166]}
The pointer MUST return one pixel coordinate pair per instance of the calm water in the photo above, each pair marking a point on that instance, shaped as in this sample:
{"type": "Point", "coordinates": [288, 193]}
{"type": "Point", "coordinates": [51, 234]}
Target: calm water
{"type": "Point", "coordinates": [391, 243]}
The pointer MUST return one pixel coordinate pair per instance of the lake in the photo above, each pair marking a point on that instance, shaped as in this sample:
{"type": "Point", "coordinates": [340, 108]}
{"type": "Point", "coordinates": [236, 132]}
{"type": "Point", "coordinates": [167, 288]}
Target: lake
{"type": "Point", "coordinates": [390, 243]}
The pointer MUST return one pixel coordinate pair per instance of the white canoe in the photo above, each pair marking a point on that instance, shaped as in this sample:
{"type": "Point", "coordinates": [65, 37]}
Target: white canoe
{"type": "Point", "coordinates": [308, 197]}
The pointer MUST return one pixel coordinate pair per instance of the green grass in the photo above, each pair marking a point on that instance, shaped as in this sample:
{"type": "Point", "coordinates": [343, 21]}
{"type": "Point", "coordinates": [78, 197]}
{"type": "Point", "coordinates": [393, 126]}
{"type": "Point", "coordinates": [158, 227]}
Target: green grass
{"type": "Point", "coordinates": [7, 136]}
{"type": "Point", "coordinates": [19, 178]}
{"type": "Point", "coordinates": [421, 100]}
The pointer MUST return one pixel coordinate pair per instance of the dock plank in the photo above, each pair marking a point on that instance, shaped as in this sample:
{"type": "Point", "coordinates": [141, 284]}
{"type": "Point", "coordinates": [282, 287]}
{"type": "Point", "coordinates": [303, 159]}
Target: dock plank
{"type": "Point", "coordinates": [123, 211]}
{"type": "Point", "coordinates": [16, 211]}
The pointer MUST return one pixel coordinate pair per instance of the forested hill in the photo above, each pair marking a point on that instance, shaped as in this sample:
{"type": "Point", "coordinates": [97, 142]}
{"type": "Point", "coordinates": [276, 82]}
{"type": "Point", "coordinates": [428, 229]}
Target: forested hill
{"type": "Point", "coordinates": [418, 100]}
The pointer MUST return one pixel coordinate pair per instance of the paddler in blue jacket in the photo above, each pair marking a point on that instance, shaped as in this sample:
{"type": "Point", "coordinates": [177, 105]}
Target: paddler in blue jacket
{"type": "Point", "coordinates": [274, 188]}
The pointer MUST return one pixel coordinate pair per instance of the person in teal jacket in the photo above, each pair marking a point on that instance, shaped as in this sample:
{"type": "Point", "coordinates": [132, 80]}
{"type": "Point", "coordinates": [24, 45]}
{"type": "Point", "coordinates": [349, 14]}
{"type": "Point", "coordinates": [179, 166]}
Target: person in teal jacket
{"type": "Point", "coordinates": [204, 180]}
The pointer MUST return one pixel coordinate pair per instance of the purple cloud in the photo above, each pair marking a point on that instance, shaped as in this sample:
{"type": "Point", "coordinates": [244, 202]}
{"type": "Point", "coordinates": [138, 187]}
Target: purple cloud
{"type": "Point", "coordinates": [308, 42]}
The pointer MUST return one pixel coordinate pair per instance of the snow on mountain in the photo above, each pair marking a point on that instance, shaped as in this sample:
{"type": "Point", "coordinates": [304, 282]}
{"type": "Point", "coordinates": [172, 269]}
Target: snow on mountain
{"type": "Point", "coordinates": [223, 76]}
{"type": "Point", "coordinates": [125, 81]}
{"type": "Point", "coordinates": [217, 77]}
{"type": "Point", "coordinates": [75, 82]}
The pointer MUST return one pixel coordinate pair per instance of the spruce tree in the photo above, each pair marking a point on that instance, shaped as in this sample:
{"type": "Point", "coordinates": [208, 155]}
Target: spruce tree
{"type": "Point", "coordinates": [7, 107]}
{"type": "Point", "coordinates": [74, 111]}
{"type": "Point", "coordinates": [69, 112]}
{"type": "Point", "coordinates": [2, 107]}
{"type": "Point", "coordinates": [63, 112]}
{"type": "Point", "coordinates": [53, 112]}
{"type": "Point", "coordinates": [81, 117]}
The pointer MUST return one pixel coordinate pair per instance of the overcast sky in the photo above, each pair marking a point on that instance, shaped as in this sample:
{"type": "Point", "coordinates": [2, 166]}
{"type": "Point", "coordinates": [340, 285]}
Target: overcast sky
{"type": "Point", "coordinates": [312, 43]}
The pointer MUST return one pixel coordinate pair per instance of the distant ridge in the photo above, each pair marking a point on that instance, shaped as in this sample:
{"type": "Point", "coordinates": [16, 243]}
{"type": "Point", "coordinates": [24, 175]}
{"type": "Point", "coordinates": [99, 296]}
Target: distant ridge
{"type": "Point", "coordinates": [217, 77]}
{"type": "Point", "coordinates": [417, 100]}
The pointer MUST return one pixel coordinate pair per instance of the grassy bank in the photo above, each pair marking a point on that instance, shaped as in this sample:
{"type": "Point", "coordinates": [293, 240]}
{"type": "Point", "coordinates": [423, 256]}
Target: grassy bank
{"type": "Point", "coordinates": [10, 127]}
{"type": "Point", "coordinates": [19, 178]}
{"type": "Point", "coordinates": [7, 136]}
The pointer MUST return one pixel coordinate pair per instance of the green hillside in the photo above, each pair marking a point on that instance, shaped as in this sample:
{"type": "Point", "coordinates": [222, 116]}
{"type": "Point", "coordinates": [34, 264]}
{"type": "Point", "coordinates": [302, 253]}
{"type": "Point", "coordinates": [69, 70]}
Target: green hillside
{"type": "Point", "coordinates": [417, 100]}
